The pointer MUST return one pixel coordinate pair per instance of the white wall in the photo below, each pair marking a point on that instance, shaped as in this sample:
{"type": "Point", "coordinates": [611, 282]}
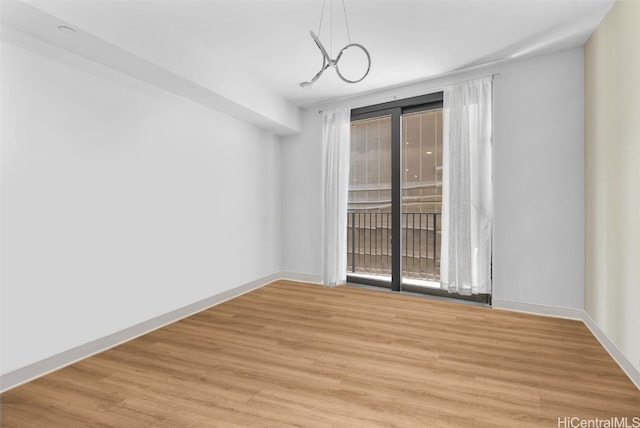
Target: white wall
{"type": "Point", "coordinates": [301, 190]}
{"type": "Point", "coordinates": [121, 202]}
{"type": "Point", "coordinates": [538, 179]}
{"type": "Point", "coordinates": [612, 178]}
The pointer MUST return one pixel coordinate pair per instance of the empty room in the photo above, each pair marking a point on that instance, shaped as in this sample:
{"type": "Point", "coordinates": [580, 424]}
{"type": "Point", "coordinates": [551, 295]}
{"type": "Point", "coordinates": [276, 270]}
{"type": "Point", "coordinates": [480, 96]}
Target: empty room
{"type": "Point", "coordinates": [320, 213]}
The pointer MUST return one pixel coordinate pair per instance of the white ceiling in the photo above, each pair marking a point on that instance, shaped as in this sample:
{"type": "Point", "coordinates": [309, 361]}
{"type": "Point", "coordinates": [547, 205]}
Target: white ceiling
{"type": "Point", "coordinates": [268, 41]}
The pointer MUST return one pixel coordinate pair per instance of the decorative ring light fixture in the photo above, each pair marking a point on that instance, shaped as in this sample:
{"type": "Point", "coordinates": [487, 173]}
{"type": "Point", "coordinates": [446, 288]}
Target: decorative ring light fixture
{"type": "Point", "coordinates": [326, 57]}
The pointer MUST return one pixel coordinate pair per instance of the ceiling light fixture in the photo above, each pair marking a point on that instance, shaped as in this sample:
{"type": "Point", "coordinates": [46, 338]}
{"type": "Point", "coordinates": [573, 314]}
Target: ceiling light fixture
{"type": "Point", "coordinates": [326, 57]}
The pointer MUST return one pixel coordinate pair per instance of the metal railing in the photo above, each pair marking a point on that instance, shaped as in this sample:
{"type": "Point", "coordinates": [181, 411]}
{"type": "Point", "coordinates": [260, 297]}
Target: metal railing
{"type": "Point", "coordinates": [369, 244]}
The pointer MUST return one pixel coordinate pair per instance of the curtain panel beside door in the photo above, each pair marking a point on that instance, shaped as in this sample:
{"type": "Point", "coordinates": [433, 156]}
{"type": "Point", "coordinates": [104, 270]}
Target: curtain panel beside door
{"type": "Point", "coordinates": [467, 196]}
{"type": "Point", "coordinates": [336, 130]}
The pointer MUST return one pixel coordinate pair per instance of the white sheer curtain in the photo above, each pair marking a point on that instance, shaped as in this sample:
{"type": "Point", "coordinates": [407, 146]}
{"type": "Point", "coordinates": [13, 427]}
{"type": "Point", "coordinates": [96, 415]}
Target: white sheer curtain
{"type": "Point", "coordinates": [336, 130]}
{"type": "Point", "coordinates": [467, 197]}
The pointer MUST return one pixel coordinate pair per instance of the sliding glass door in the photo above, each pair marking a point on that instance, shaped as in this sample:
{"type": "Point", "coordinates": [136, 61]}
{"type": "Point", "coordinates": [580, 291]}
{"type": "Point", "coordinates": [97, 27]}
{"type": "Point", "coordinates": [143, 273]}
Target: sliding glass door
{"type": "Point", "coordinates": [394, 193]}
{"type": "Point", "coordinates": [395, 196]}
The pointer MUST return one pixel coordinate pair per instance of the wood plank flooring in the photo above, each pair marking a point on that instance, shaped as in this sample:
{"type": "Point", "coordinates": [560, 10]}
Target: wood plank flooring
{"type": "Point", "coordinates": [292, 354]}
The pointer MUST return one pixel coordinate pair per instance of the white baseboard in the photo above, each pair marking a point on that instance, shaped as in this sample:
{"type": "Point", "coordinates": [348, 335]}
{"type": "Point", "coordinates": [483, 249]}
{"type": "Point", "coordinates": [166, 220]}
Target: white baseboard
{"type": "Point", "coordinates": [25, 374]}
{"type": "Point", "coordinates": [300, 277]}
{"type": "Point", "coordinates": [612, 349]}
{"type": "Point", "coordinates": [32, 371]}
{"type": "Point", "coordinates": [580, 315]}
{"type": "Point", "coordinates": [532, 308]}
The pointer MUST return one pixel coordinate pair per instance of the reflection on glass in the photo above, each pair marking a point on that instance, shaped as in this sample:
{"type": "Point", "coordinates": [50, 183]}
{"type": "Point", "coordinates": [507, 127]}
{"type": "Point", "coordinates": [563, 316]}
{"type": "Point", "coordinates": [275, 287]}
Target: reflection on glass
{"type": "Point", "coordinates": [421, 197]}
{"type": "Point", "coordinates": [369, 218]}
{"type": "Point", "coordinates": [369, 209]}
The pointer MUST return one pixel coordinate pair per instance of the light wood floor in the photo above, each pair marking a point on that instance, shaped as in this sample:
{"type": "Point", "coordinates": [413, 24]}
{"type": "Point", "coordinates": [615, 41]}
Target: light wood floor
{"type": "Point", "coordinates": [293, 354]}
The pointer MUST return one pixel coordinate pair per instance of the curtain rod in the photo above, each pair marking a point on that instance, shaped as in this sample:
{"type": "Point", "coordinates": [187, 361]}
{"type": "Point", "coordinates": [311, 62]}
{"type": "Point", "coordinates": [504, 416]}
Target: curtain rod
{"type": "Point", "coordinates": [493, 76]}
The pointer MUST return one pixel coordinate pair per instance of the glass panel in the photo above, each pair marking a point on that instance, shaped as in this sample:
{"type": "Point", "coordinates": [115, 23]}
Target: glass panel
{"type": "Point", "coordinates": [421, 197]}
{"type": "Point", "coordinates": [369, 209]}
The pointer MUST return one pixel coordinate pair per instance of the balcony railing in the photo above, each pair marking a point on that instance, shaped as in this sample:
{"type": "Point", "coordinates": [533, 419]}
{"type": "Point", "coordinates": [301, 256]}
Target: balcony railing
{"type": "Point", "coordinates": [369, 245]}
